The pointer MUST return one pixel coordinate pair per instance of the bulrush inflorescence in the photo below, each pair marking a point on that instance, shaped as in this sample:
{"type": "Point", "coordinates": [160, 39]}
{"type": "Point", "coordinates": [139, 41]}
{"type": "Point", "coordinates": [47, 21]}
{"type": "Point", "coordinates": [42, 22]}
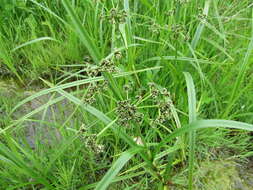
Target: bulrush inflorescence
{"type": "Point", "coordinates": [104, 66]}
{"type": "Point", "coordinates": [201, 15]}
{"type": "Point", "coordinates": [127, 112]}
{"type": "Point", "coordinates": [90, 142]}
{"type": "Point", "coordinates": [115, 16]}
{"type": "Point", "coordinates": [180, 30]}
{"type": "Point", "coordinates": [183, 1]}
{"type": "Point", "coordinates": [118, 55]}
{"type": "Point", "coordinates": [177, 29]}
{"type": "Point", "coordinates": [163, 100]}
{"type": "Point", "coordinates": [107, 66]}
{"type": "Point", "coordinates": [171, 12]}
{"type": "Point", "coordinates": [164, 111]}
{"type": "Point", "coordinates": [93, 89]}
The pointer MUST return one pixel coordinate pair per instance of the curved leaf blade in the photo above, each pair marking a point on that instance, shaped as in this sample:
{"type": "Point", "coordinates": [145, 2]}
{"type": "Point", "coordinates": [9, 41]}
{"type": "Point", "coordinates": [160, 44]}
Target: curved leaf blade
{"type": "Point", "coordinates": [116, 167]}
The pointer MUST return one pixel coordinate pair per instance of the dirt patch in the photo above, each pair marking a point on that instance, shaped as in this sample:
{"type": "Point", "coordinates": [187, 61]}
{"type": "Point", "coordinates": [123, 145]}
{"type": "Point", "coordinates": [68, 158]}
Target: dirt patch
{"type": "Point", "coordinates": [224, 175]}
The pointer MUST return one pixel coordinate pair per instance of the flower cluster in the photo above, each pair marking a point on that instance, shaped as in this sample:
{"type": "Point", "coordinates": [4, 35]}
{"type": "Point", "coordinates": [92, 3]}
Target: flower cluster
{"type": "Point", "coordinates": [104, 66]}
{"type": "Point", "coordinates": [4, 70]}
{"type": "Point", "coordinates": [201, 16]}
{"type": "Point", "coordinates": [178, 29]}
{"type": "Point", "coordinates": [164, 111]}
{"type": "Point", "coordinates": [94, 89]}
{"type": "Point", "coordinates": [107, 66]}
{"type": "Point", "coordinates": [164, 102]}
{"type": "Point", "coordinates": [155, 28]}
{"type": "Point", "coordinates": [183, 1]}
{"type": "Point", "coordinates": [116, 16]}
{"type": "Point", "coordinates": [171, 12]}
{"type": "Point", "coordinates": [90, 142]}
{"type": "Point", "coordinates": [118, 55]}
{"type": "Point", "coordinates": [127, 113]}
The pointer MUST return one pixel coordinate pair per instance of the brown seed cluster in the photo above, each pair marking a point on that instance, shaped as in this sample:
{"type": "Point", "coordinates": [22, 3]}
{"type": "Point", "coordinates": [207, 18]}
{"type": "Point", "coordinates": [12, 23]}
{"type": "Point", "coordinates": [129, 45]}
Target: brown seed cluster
{"type": "Point", "coordinates": [171, 12]}
{"type": "Point", "coordinates": [115, 16]}
{"type": "Point", "coordinates": [4, 70]}
{"type": "Point", "coordinates": [127, 113]}
{"type": "Point", "coordinates": [180, 30]}
{"type": "Point", "coordinates": [94, 89]}
{"type": "Point", "coordinates": [163, 99]}
{"type": "Point", "coordinates": [90, 142]}
{"type": "Point", "coordinates": [201, 15]}
{"type": "Point", "coordinates": [118, 55]}
{"type": "Point", "coordinates": [155, 28]}
{"type": "Point", "coordinates": [164, 110]}
{"type": "Point", "coordinates": [183, 1]}
{"type": "Point", "coordinates": [105, 66]}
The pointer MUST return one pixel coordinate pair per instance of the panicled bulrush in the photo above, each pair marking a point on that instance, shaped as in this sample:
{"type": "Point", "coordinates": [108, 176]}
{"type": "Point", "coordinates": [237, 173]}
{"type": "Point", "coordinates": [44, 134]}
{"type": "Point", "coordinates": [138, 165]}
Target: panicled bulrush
{"type": "Point", "coordinates": [163, 100]}
{"type": "Point", "coordinates": [115, 16]}
{"type": "Point", "coordinates": [94, 89]}
{"type": "Point", "coordinates": [177, 29]}
{"type": "Point", "coordinates": [118, 55]}
{"type": "Point", "coordinates": [155, 28]}
{"type": "Point", "coordinates": [107, 66]}
{"type": "Point", "coordinates": [171, 12]}
{"type": "Point", "coordinates": [182, 1]}
{"type": "Point", "coordinates": [127, 113]}
{"type": "Point", "coordinates": [201, 15]}
{"type": "Point", "coordinates": [90, 142]}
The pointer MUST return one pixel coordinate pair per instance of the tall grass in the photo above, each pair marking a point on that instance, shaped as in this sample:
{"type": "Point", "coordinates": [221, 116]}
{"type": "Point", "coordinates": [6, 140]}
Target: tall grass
{"type": "Point", "coordinates": [140, 77]}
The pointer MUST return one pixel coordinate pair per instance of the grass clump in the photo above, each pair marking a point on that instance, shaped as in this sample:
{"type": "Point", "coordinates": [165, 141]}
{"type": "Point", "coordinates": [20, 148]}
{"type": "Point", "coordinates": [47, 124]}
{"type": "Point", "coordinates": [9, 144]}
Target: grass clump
{"type": "Point", "coordinates": [125, 88]}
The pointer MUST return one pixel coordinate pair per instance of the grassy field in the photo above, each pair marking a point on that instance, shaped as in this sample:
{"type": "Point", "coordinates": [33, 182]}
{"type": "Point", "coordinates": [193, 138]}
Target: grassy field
{"type": "Point", "coordinates": [124, 94]}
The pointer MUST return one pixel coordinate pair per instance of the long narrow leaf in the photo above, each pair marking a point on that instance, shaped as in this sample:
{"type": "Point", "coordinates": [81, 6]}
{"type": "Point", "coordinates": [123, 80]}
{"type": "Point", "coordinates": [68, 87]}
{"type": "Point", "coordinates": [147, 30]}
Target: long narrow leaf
{"type": "Point", "coordinates": [32, 42]}
{"type": "Point", "coordinates": [191, 97]}
{"type": "Point", "coordinates": [200, 27]}
{"type": "Point", "coordinates": [241, 75]}
{"type": "Point", "coordinates": [77, 83]}
{"type": "Point", "coordinates": [192, 118]}
{"type": "Point", "coordinates": [209, 123]}
{"type": "Point", "coordinates": [116, 167]}
{"type": "Point", "coordinates": [83, 34]}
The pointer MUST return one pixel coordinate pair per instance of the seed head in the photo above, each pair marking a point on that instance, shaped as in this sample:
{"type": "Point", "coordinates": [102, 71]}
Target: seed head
{"type": "Point", "coordinates": [118, 55]}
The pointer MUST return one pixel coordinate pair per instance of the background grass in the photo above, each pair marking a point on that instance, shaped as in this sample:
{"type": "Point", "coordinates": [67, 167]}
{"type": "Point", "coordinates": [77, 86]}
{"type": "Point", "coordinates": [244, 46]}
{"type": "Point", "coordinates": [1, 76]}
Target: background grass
{"type": "Point", "coordinates": [120, 65]}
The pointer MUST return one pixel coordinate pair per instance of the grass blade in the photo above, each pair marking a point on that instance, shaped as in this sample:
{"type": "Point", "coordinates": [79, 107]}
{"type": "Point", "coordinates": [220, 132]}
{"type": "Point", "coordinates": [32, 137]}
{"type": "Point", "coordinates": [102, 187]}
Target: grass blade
{"type": "Point", "coordinates": [200, 27]}
{"type": "Point", "coordinates": [77, 83]}
{"type": "Point", "coordinates": [116, 167]}
{"type": "Point", "coordinates": [209, 123]}
{"type": "Point", "coordinates": [177, 58]}
{"type": "Point", "coordinates": [83, 34]}
{"type": "Point", "coordinates": [32, 42]}
{"type": "Point", "coordinates": [49, 11]}
{"type": "Point", "coordinates": [191, 97]}
{"type": "Point", "coordinates": [192, 118]}
{"type": "Point", "coordinates": [241, 75]}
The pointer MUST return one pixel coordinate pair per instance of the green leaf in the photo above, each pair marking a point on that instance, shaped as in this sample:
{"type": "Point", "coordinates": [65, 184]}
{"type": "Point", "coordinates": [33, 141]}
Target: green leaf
{"type": "Point", "coordinates": [191, 97]}
{"type": "Point", "coordinates": [49, 11]}
{"type": "Point", "coordinates": [240, 76]}
{"type": "Point", "coordinates": [192, 117]}
{"type": "Point", "coordinates": [209, 123]}
{"type": "Point", "coordinates": [116, 167]}
{"type": "Point", "coordinates": [83, 34]}
{"type": "Point", "coordinates": [77, 83]}
{"type": "Point", "coordinates": [177, 58]}
{"type": "Point", "coordinates": [200, 27]}
{"type": "Point", "coordinates": [32, 42]}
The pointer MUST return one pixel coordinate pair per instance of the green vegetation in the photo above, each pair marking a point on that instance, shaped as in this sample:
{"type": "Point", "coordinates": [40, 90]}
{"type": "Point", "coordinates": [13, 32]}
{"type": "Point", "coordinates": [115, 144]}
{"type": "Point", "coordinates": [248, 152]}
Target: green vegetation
{"type": "Point", "coordinates": [124, 94]}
